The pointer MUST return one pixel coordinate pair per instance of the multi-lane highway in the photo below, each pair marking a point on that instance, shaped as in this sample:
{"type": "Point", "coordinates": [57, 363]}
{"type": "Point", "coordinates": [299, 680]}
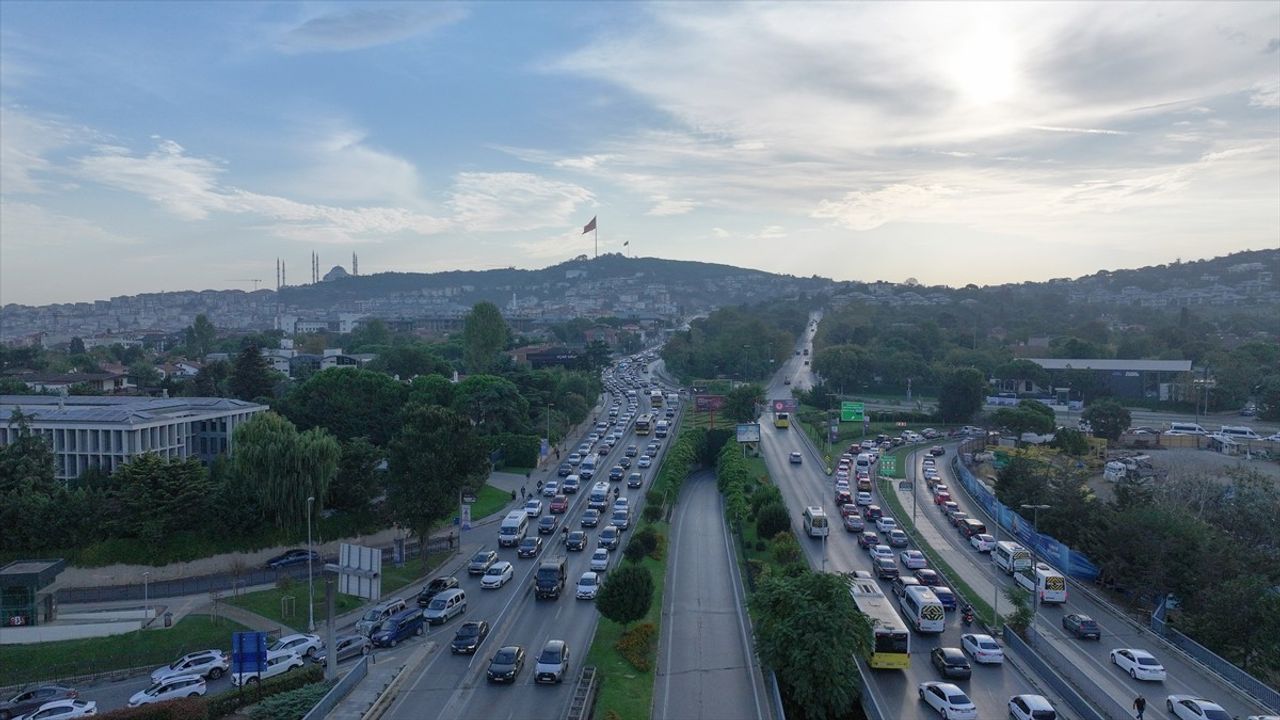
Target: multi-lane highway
{"type": "Point", "coordinates": [706, 661]}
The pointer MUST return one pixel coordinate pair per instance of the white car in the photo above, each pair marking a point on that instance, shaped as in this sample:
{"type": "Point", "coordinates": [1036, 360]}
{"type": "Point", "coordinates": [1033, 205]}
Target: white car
{"type": "Point", "coordinates": [59, 709]}
{"type": "Point", "coordinates": [863, 498]}
{"type": "Point", "coordinates": [574, 459]}
{"type": "Point", "coordinates": [533, 508]}
{"type": "Point", "coordinates": [983, 648]}
{"type": "Point", "coordinates": [304, 644]}
{"type": "Point", "coordinates": [644, 461]}
{"type": "Point", "coordinates": [982, 542]}
{"type": "Point", "coordinates": [948, 700]}
{"type": "Point", "coordinates": [551, 488]}
{"type": "Point", "coordinates": [621, 504]}
{"type": "Point", "coordinates": [886, 524]}
{"type": "Point", "coordinates": [593, 438]}
{"type": "Point", "coordinates": [277, 665]}
{"type": "Point", "coordinates": [1030, 707]}
{"type": "Point", "coordinates": [600, 560]}
{"type": "Point", "coordinates": [881, 551]}
{"type": "Point", "coordinates": [497, 575]}
{"type": "Point", "coordinates": [588, 586]}
{"type": "Point", "coordinates": [912, 559]}
{"type": "Point", "coordinates": [1140, 664]}
{"type": "Point", "coordinates": [170, 688]}
{"type": "Point", "coordinates": [205, 663]}
{"type": "Point", "coordinates": [1190, 707]}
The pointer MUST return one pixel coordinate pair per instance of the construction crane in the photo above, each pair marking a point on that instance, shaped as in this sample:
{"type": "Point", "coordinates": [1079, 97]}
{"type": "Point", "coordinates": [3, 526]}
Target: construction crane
{"type": "Point", "coordinates": [255, 281]}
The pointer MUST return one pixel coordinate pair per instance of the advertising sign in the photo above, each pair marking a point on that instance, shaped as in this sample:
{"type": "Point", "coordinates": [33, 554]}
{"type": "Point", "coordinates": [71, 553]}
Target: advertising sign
{"type": "Point", "coordinates": [748, 432]}
{"type": "Point", "coordinates": [466, 517]}
{"type": "Point", "coordinates": [360, 571]}
{"type": "Point", "coordinates": [708, 403]}
{"type": "Point", "coordinates": [787, 405]}
{"type": "Point", "coordinates": [852, 412]}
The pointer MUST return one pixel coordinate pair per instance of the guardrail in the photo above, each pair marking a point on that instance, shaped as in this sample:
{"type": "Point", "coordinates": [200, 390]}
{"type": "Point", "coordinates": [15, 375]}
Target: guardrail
{"type": "Point", "coordinates": [1247, 683]}
{"type": "Point", "coordinates": [1028, 655]}
{"type": "Point", "coordinates": [584, 695]}
{"type": "Point", "coordinates": [1078, 678]}
{"type": "Point", "coordinates": [339, 691]}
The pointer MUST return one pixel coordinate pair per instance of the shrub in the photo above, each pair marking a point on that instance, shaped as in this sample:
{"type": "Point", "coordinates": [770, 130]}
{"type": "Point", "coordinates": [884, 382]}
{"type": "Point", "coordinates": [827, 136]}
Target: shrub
{"type": "Point", "coordinates": [647, 538]}
{"type": "Point", "coordinates": [225, 703]}
{"type": "Point", "coordinates": [772, 519]}
{"type": "Point", "coordinates": [637, 646]}
{"type": "Point", "coordinates": [786, 550]}
{"type": "Point", "coordinates": [634, 551]}
{"type": "Point", "coordinates": [290, 705]}
{"type": "Point", "coordinates": [652, 512]}
{"type": "Point", "coordinates": [653, 497]}
{"type": "Point", "coordinates": [765, 496]}
{"type": "Point", "coordinates": [761, 546]}
{"type": "Point", "coordinates": [182, 709]}
{"type": "Point", "coordinates": [659, 548]}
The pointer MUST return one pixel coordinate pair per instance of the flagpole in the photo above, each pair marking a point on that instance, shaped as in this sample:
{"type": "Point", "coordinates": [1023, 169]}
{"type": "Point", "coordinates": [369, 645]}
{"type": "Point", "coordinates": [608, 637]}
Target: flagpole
{"type": "Point", "coordinates": [596, 231]}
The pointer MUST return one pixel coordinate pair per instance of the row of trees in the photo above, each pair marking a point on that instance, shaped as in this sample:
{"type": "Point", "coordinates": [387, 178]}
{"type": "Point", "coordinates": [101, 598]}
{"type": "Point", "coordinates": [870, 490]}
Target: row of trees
{"type": "Point", "coordinates": [744, 342]}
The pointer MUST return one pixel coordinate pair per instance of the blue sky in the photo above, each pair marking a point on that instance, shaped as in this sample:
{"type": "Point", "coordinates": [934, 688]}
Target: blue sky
{"type": "Point", "coordinates": [155, 146]}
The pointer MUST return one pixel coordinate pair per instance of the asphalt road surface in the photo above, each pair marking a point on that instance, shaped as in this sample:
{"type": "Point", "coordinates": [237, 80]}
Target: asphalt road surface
{"type": "Point", "coordinates": [706, 663]}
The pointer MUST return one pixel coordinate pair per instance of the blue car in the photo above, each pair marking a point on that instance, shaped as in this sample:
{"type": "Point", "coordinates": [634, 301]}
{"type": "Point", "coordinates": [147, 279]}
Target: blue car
{"type": "Point", "coordinates": [945, 596]}
{"type": "Point", "coordinates": [293, 557]}
{"type": "Point", "coordinates": [400, 626]}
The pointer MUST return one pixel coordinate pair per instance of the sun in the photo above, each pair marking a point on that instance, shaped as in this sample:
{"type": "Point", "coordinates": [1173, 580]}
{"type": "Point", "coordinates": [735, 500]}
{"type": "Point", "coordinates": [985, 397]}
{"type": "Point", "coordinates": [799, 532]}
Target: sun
{"type": "Point", "coordinates": [983, 69]}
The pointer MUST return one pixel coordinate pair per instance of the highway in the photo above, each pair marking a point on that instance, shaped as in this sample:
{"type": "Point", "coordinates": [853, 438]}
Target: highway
{"type": "Point", "coordinates": [706, 661]}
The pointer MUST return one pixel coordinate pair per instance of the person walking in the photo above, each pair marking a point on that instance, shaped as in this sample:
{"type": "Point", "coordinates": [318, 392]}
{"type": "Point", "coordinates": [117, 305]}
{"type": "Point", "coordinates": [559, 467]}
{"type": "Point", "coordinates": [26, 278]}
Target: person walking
{"type": "Point", "coordinates": [1140, 705]}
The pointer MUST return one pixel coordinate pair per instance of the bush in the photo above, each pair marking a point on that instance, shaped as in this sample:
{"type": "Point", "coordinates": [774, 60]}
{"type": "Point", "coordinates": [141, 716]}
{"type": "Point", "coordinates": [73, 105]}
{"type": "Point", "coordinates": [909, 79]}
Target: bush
{"type": "Point", "coordinates": [653, 497]}
{"type": "Point", "coordinates": [634, 551]}
{"type": "Point", "coordinates": [765, 496]}
{"type": "Point", "coordinates": [225, 703]}
{"type": "Point", "coordinates": [786, 550]}
{"type": "Point", "coordinates": [659, 548]}
{"type": "Point", "coordinates": [772, 519]}
{"type": "Point", "coordinates": [181, 709]}
{"type": "Point", "coordinates": [636, 646]}
{"type": "Point", "coordinates": [761, 546]}
{"type": "Point", "coordinates": [290, 705]}
{"type": "Point", "coordinates": [647, 538]}
{"type": "Point", "coordinates": [652, 512]}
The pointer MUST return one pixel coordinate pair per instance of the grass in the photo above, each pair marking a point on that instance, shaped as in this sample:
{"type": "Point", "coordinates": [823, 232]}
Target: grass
{"type": "Point", "coordinates": [66, 658]}
{"type": "Point", "coordinates": [267, 603]}
{"type": "Point", "coordinates": [624, 689]}
{"type": "Point", "coordinates": [489, 501]}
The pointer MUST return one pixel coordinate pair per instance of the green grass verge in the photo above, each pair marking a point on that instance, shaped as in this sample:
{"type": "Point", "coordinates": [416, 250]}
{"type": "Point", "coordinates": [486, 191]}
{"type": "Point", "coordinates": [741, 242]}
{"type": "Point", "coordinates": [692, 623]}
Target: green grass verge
{"type": "Point", "coordinates": [489, 501]}
{"type": "Point", "coordinates": [624, 689]}
{"type": "Point", "coordinates": [267, 603]}
{"type": "Point", "coordinates": [66, 658]}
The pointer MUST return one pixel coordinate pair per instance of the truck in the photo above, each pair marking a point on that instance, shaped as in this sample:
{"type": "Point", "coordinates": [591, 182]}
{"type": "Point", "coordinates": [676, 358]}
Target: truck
{"type": "Point", "coordinates": [548, 582]}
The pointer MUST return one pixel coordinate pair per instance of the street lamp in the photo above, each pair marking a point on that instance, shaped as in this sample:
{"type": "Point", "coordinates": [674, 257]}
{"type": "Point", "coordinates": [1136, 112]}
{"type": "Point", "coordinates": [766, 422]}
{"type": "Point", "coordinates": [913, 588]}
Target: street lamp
{"type": "Point", "coordinates": [1035, 530]}
{"type": "Point", "coordinates": [311, 598]}
{"type": "Point", "coordinates": [146, 598]}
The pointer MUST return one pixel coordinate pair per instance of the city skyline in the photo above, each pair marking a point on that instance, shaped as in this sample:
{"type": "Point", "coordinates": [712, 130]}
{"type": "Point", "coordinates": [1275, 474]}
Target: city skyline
{"type": "Point", "coordinates": [188, 146]}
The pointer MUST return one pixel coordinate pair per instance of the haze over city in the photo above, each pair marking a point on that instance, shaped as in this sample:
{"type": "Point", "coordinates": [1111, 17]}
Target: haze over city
{"type": "Point", "coordinates": [185, 146]}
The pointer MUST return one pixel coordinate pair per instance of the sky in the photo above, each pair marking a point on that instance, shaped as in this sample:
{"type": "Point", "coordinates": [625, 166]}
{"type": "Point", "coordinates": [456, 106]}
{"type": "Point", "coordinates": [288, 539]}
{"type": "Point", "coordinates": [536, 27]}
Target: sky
{"type": "Point", "coordinates": [168, 146]}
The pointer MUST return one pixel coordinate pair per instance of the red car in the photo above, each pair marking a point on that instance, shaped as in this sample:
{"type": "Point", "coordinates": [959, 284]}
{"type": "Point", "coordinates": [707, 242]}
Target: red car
{"type": "Point", "coordinates": [848, 509]}
{"type": "Point", "coordinates": [560, 504]}
{"type": "Point", "coordinates": [941, 498]}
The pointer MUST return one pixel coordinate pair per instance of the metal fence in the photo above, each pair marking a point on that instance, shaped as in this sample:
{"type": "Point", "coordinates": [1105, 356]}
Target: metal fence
{"type": "Point", "coordinates": [1264, 693]}
{"type": "Point", "coordinates": [339, 691]}
{"type": "Point", "coordinates": [1060, 686]}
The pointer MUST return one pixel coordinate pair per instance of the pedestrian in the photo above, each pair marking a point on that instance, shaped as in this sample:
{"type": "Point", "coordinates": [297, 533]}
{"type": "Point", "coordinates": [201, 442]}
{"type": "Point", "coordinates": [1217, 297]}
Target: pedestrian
{"type": "Point", "coordinates": [1140, 704]}
{"type": "Point", "coordinates": [453, 537]}
{"type": "Point", "coordinates": [557, 452]}
{"type": "Point", "coordinates": [521, 493]}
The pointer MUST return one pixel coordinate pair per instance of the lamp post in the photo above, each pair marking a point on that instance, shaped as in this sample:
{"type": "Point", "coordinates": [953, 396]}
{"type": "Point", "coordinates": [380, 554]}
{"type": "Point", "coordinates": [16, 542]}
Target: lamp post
{"type": "Point", "coordinates": [549, 406]}
{"type": "Point", "coordinates": [311, 599]}
{"type": "Point", "coordinates": [1035, 529]}
{"type": "Point", "coordinates": [146, 598]}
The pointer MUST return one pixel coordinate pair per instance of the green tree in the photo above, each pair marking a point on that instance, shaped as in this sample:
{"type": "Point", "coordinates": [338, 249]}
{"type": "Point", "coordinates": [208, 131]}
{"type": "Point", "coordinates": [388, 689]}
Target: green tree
{"type": "Point", "coordinates": [597, 354]}
{"type": "Point", "coordinates": [144, 374]}
{"type": "Point", "coordinates": [285, 467]}
{"type": "Point", "coordinates": [251, 377]}
{"type": "Point", "coordinates": [1019, 420]}
{"type": "Point", "coordinates": [1020, 482]}
{"type": "Point", "coordinates": [410, 361]}
{"type": "Point", "coordinates": [155, 498]}
{"type": "Point", "coordinates": [368, 333]}
{"type": "Point", "coordinates": [200, 337]}
{"type": "Point", "coordinates": [843, 366]}
{"type": "Point", "coordinates": [211, 380]}
{"type": "Point", "coordinates": [1070, 441]}
{"type": "Point", "coordinates": [961, 395]}
{"type": "Point", "coordinates": [434, 457]}
{"type": "Point", "coordinates": [741, 402]}
{"type": "Point", "coordinates": [772, 519]}
{"type": "Point", "coordinates": [1108, 418]}
{"type": "Point", "coordinates": [1240, 619]}
{"type": "Point", "coordinates": [431, 390]}
{"type": "Point", "coordinates": [356, 483]}
{"type": "Point", "coordinates": [494, 404]}
{"type": "Point", "coordinates": [805, 626]}
{"type": "Point", "coordinates": [75, 347]}
{"type": "Point", "coordinates": [1269, 398]}
{"type": "Point", "coordinates": [626, 594]}
{"type": "Point", "coordinates": [348, 402]}
{"type": "Point", "coordinates": [484, 335]}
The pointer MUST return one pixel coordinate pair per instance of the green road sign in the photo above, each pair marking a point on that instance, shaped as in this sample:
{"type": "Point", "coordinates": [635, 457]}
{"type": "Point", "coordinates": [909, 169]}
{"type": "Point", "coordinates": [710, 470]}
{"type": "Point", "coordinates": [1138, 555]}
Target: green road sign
{"type": "Point", "coordinates": [888, 465]}
{"type": "Point", "coordinates": [852, 412]}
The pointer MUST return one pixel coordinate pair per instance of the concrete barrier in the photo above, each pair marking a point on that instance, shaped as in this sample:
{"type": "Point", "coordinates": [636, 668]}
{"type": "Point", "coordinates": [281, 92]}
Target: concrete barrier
{"type": "Point", "coordinates": [1016, 646]}
{"type": "Point", "coordinates": [50, 633]}
{"type": "Point", "coordinates": [1076, 676]}
{"type": "Point", "coordinates": [339, 690]}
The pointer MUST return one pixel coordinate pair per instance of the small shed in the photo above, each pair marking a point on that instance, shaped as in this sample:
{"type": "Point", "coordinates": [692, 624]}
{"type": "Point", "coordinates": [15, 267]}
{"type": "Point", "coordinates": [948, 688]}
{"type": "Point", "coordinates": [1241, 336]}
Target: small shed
{"type": "Point", "coordinates": [26, 597]}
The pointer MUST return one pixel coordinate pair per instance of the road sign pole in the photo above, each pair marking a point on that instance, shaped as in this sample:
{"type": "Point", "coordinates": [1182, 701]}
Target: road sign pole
{"type": "Point", "coordinates": [330, 642]}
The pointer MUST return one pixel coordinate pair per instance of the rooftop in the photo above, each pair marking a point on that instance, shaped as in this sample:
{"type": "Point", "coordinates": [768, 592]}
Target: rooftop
{"type": "Point", "coordinates": [1117, 365]}
{"type": "Point", "coordinates": [117, 409]}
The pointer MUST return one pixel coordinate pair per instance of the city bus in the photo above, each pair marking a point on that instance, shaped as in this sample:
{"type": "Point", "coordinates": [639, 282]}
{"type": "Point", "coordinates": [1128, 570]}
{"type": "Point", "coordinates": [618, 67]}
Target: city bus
{"type": "Point", "coordinates": [923, 609]}
{"type": "Point", "coordinates": [815, 522]}
{"type": "Point", "coordinates": [1044, 581]}
{"type": "Point", "coordinates": [782, 420]}
{"type": "Point", "coordinates": [644, 424]}
{"type": "Point", "coordinates": [655, 398]}
{"type": "Point", "coordinates": [891, 646]}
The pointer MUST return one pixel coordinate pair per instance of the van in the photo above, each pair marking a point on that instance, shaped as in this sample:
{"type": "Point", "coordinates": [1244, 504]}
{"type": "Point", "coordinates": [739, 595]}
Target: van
{"type": "Point", "coordinates": [1237, 432]}
{"type": "Point", "coordinates": [514, 527]}
{"type": "Point", "coordinates": [599, 498]}
{"type": "Point", "coordinates": [550, 578]}
{"type": "Point", "coordinates": [1185, 428]}
{"type": "Point", "coordinates": [660, 430]}
{"type": "Point", "coordinates": [377, 615]}
{"type": "Point", "coordinates": [1010, 557]}
{"type": "Point", "coordinates": [587, 469]}
{"type": "Point", "coordinates": [400, 626]}
{"type": "Point", "coordinates": [446, 605]}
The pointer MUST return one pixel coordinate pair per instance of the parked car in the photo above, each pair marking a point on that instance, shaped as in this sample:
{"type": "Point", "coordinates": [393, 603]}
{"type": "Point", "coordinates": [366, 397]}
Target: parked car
{"type": "Point", "coordinates": [498, 574]}
{"type": "Point", "coordinates": [434, 588]}
{"type": "Point", "coordinates": [293, 557]}
{"type": "Point", "coordinates": [304, 644]}
{"type": "Point", "coordinates": [982, 648]}
{"type": "Point", "coordinates": [949, 701]}
{"type": "Point", "coordinates": [277, 665]}
{"type": "Point", "coordinates": [469, 637]}
{"type": "Point", "coordinates": [505, 665]}
{"type": "Point", "coordinates": [553, 662]}
{"type": "Point", "coordinates": [205, 663]}
{"type": "Point", "coordinates": [951, 662]}
{"type": "Point", "coordinates": [349, 646]}
{"type": "Point", "coordinates": [1140, 664]}
{"type": "Point", "coordinates": [1082, 626]}
{"type": "Point", "coordinates": [30, 700]}
{"type": "Point", "coordinates": [1031, 707]}
{"type": "Point", "coordinates": [59, 709]}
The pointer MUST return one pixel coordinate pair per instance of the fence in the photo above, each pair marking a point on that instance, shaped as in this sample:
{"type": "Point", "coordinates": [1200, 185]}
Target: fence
{"type": "Point", "coordinates": [339, 691]}
{"type": "Point", "coordinates": [1060, 686]}
{"type": "Point", "coordinates": [1264, 693]}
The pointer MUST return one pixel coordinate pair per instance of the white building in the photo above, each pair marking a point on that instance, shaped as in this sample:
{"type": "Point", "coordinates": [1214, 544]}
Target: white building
{"type": "Point", "coordinates": [105, 432]}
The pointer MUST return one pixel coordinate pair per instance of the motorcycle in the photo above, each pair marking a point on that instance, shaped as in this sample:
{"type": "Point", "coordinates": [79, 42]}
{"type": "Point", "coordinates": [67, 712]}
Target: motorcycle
{"type": "Point", "coordinates": [967, 616]}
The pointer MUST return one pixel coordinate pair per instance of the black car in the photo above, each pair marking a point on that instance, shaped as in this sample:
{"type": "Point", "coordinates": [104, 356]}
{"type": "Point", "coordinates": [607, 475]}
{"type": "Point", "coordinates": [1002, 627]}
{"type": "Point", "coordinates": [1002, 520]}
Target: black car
{"type": "Point", "coordinates": [886, 568]}
{"type": "Point", "coordinates": [565, 470]}
{"type": "Point", "coordinates": [951, 662]}
{"type": "Point", "coordinates": [590, 518]}
{"type": "Point", "coordinates": [576, 540]}
{"type": "Point", "coordinates": [1082, 626]}
{"type": "Point", "coordinates": [293, 557]}
{"type": "Point", "coordinates": [635, 480]}
{"type": "Point", "coordinates": [28, 701]}
{"type": "Point", "coordinates": [529, 547]}
{"type": "Point", "coordinates": [624, 462]}
{"type": "Point", "coordinates": [434, 588]}
{"type": "Point", "coordinates": [505, 665]}
{"type": "Point", "coordinates": [547, 524]}
{"type": "Point", "coordinates": [469, 636]}
{"type": "Point", "coordinates": [615, 473]}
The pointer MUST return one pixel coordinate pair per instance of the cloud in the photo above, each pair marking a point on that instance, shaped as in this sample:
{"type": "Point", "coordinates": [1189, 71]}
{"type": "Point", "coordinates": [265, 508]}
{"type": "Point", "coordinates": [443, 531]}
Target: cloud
{"type": "Point", "coordinates": [665, 206]}
{"type": "Point", "coordinates": [1081, 131]}
{"type": "Point", "coordinates": [1265, 95]}
{"type": "Point", "coordinates": [559, 246]}
{"type": "Point", "coordinates": [506, 201]}
{"type": "Point", "coordinates": [366, 26]}
{"type": "Point", "coordinates": [866, 210]}
{"type": "Point", "coordinates": [339, 165]}
{"type": "Point", "coordinates": [25, 141]}
{"type": "Point", "coordinates": [33, 226]}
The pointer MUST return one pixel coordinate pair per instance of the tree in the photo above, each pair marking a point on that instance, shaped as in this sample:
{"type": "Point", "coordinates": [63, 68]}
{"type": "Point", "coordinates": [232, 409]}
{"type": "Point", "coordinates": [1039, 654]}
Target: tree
{"type": "Point", "coordinates": [1070, 441]}
{"type": "Point", "coordinates": [201, 336]}
{"type": "Point", "coordinates": [144, 374]}
{"type": "Point", "coordinates": [285, 467]}
{"type": "Point", "coordinates": [772, 519]}
{"type": "Point", "coordinates": [961, 395]}
{"type": "Point", "coordinates": [484, 335]}
{"type": "Point", "coordinates": [211, 380]}
{"type": "Point", "coordinates": [251, 377]}
{"type": "Point", "coordinates": [806, 626]}
{"type": "Point", "coordinates": [843, 366]}
{"type": "Point", "coordinates": [156, 498]}
{"type": "Point", "coordinates": [434, 457]}
{"type": "Point", "coordinates": [626, 594]}
{"type": "Point", "coordinates": [75, 347]}
{"type": "Point", "coordinates": [597, 354]}
{"type": "Point", "coordinates": [740, 403]}
{"type": "Point", "coordinates": [348, 402]}
{"type": "Point", "coordinates": [431, 390]}
{"type": "Point", "coordinates": [494, 404]}
{"type": "Point", "coordinates": [356, 483]}
{"type": "Point", "coordinates": [1020, 482]}
{"type": "Point", "coordinates": [369, 333]}
{"type": "Point", "coordinates": [1023, 419]}
{"type": "Point", "coordinates": [1269, 398]}
{"type": "Point", "coordinates": [410, 361]}
{"type": "Point", "coordinates": [1108, 418]}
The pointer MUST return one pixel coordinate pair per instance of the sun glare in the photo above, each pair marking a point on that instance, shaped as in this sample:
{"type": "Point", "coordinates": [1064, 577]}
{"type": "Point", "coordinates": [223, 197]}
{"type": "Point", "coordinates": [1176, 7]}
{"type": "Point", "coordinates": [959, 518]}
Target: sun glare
{"type": "Point", "coordinates": [982, 69]}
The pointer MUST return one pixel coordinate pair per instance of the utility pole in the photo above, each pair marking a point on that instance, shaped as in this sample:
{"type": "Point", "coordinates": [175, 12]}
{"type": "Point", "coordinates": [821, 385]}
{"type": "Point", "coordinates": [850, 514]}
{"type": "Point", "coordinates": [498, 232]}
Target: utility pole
{"type": "Point", "coordinates": [311, 596]}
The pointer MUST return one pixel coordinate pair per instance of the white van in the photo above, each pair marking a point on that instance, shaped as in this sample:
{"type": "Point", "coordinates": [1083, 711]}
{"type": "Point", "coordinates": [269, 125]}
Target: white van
{"type": "Point", "coordinates": [864, 462]}
{"type": "Point", "coordinates": [599, 498]}
{"type": "Point", "coordinates": [1010, 557]}
{"type": "Point", "coordinates": [923, 609]}
{"type": "Point", "coordinates": [815, 522]}
{"type": "Point", "coordinates": [1237, 432]}
{"type": "Point", "coordinates": [514, 527]}
{"type": "Point", "coordinates": [445, 606]}
{"type": "Point", "coordinates": [1046, 582]}
{"type": "Point", "coordinates": [1185, 428]}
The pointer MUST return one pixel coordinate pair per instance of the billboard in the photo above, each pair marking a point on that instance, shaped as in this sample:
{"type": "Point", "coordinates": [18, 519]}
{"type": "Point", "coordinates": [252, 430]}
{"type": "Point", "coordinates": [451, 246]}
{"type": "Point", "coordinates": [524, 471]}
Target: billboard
{"type": "Point", "coordinates": [708, 403]}
{"type": "Point", "coordinates": [787, 405]}
{"type": "Point", "coordinates": [748, 432]}
{"type": "Point", "coordinates": [852, 412]}
{"type": "Point", "coordinates": [360, 571]}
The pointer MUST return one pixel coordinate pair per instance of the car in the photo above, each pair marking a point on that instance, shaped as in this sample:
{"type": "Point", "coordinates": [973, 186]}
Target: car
{"type": "Point", "coordinates": [621, 519]}
{"type": "Point", "coordinates": [945, 596]}
{"type": "Point", "coordinates": [796, 458]}
{"type": "Point", "coordinates": [481, 561]}
{"type": "Point", "coordinates": [949, 701]}
{"type": "Point", "coordinates": [590, 518]}
{"type": "Point", "coordinates": [913, 559]}
{"type": "Point", "coordinates": [498, 574]}
{"type": "Point", "coordinates": [616, 473]}
{"type": "Point", "coordinates": [293, 557]}
{"type": "Point", "coordinates": [349, 646]}
{"type": "Point", "coordinates": [304, 644]}
{"type": "Point", "coordinates": [529, 547]}
{"type": "Point", "coordinates": [588, 586]}
{"type": "Point", "coordinates": [868, 539]}
{"type": "Point", "coordinates": [551, 488]}
{"type": "Point", "coordinates": [211, 664]}
{"type": "Point", "coordinates": [635, 480]}
{"type": "Point", "coordinates": [469, 637]}
{"type": "Point", "coordinates": [547, 524]}
{"type": "Point", "coordinates": [434, 588]}
{"type": "Point", "coordinates": [506, 664]}
{"type": "Point", "coordinates": [624, 462]}
{"type": "Point", "coordinates": [277, 665]}
{"type": "Point", "coordinates": [594, 438]}
{"type": "Point", "coordinates": [950, 511]}
{"type": "Point", "coordinates": [533, 508]}
{"type": "Point", "coordinates": [30, 700]}
{"type": "Point", "coordinates": [574, 459]}
{"type": "Point", "coordinates": [885, 523]}
{"type": "Point", "coordinates": [1031, 707]}
{"type": "Point", "coordinates": [898, 538]}
{"type": "Point", "coordinates": [885, 567]}
{"type": "Point", "coordinates": [570, 485]}
{"type": "Point", "coordinates": [1082, 626]}
{"type": "Point", "coordinates": [1189, 707]}
{"type": "Point", "coordinates": [855, 523]}
{"type": "Point", "coordinates": [1140, 664]}
{"type": "Point", "coordinates": [576, 541]}
{"type": "Point", "coordinates": [872, 513]}
{"type": "Point", "coordinates": [956, 518]}
{"type": "Point", "coordinates": [951, 662]}
{"type": "Point", "coordinates": [863, 574]}
{"type": "Point", "coordinates": [900, 584]}
{"type": "Point", "coordinates": [621, 503]}
{"type": "Point", "coordinates": [66, 708]}
{"type": "Point", "coordinates": [863, 498]}
{"type": "Point", "coordinates": [565, 470]}
{"type": "Point", "coordinates": [982, 542]}
{"type": "Point", "coordinates": [882, 551]}
{"type": "Point", "coordinates": [928, 577]}
{"type": "Point", "coordinates": [652, 448]}
{"type": "Point", "coordinates": [559, 505]}
{"type": "Point", "coordinates": [609, 537]}
{"type": "Point", "coordinates": [644, 462]}
{"type": "Point", "coordinates": [843, 496]}
{"type": "Point", "coordinates": [553, 662]}
{"type": "Point", "coordinates": [631, 451]}
{"type": "Point", "coordinates": [982, 648]}
{"type": "Point", "coordinates": [600, 560]}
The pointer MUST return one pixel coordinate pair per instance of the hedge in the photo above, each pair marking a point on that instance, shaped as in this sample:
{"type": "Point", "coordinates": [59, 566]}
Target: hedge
{"type": "Point", "coordinates": [181, 709]}
{"type": "Point", "coordinates": [290, 705]}
{"type": "Point", "coordinates": [224, 704]}
{"type": "Point", "coordinates": [679, 462]}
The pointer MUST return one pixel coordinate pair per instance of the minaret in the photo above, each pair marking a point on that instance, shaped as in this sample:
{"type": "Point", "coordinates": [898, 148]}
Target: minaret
{"type": "Point", "coordinates": [355, 264]}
